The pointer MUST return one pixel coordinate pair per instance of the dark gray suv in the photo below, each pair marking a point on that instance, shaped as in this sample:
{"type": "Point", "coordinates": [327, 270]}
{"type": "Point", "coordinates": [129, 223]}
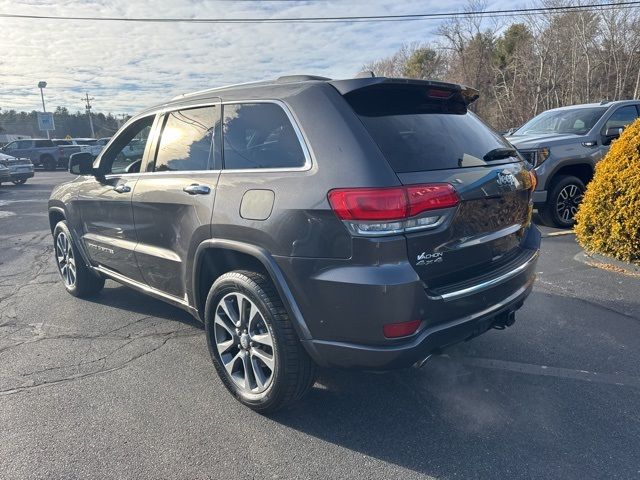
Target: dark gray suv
{"type": "Point", "coordinates": [354, 223]}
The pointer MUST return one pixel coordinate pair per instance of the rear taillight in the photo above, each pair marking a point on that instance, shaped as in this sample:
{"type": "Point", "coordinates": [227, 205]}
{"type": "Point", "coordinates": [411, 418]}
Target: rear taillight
{"type": "Point", "coordinates": [61, 150]}
{"type": "Point", "coordinates": [402, 329]}
{"type": "Point", "coordinates": [387, 211]}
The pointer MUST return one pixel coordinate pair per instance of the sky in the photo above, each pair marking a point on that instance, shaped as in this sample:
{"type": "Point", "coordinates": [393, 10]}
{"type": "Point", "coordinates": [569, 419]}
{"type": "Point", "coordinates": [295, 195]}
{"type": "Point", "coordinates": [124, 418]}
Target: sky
{"type": "Point", "coordinates": [126, 67]}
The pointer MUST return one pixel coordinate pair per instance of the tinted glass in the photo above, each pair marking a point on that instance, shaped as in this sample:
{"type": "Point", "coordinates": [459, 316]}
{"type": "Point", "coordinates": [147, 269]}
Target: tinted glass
{"type": "Point", "coordinates": [86, 142]}
{"type": "Point", "coordinates": [416, 133]}
{"type": "Point", "coordinates": [43, 143]}
{"type": "Point", "coordinates": [260, 135]}
{"type": "Point", "coordinates": [185, 143]}
{"type": "Point", "coordinates": [62, 142]}
{"type": "Point", "coordinates": [125, 154]}
{"type": "Point", "coordinates": [622, 117]}
{"type": "Point", "coordinates": [577, 121]}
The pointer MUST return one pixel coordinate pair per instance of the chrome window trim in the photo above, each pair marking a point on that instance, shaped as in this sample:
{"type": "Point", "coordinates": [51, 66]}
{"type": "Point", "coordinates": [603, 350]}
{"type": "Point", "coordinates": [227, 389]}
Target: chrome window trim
{"type": "Point", "coordinates": [308, 162]}
{"type": "Point", "coordinates": [308, 165]}
{"type": "Point", "coordinates": [169, 172]}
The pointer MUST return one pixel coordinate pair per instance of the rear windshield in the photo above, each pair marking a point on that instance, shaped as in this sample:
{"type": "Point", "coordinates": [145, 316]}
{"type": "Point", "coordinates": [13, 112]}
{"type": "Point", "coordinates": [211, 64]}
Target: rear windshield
{"type": "Point", "coordinates": [417, 133]}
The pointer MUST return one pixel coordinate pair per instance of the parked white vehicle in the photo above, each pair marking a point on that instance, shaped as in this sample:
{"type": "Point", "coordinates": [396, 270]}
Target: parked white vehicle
{"type": "Point", "coordinates": [99, 144]}
{"type": "Point", "coordinates": [20, 169]}
{"type": "Point", "coordinates": [85, 144]}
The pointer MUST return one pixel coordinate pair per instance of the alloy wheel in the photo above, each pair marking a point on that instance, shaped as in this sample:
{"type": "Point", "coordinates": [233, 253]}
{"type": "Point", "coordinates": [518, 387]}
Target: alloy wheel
{"type": "Point", "coordinates": [244, 342]}
{"type": "Point", "coordinates": [65, 259]}
{"type": "Point", "coordinates": [568, 202]}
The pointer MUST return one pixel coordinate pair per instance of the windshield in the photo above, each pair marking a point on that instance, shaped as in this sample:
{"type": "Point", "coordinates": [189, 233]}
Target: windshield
{"type": "Point", "coordinates": [577, 121]}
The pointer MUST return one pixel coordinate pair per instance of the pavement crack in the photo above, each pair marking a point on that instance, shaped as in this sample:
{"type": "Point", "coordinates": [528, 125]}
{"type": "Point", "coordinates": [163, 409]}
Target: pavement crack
{"type": "Point", "coordinates": [75, 377]}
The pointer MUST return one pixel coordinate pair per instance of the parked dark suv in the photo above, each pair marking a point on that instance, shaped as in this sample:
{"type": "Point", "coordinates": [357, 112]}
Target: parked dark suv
{"type": "Point", "coordinates": [355, 223]}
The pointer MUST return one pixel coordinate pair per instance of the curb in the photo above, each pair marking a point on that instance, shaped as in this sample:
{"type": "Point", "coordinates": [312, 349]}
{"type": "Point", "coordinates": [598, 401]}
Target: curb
{"type": "Point", "coordinates": [608, 263]}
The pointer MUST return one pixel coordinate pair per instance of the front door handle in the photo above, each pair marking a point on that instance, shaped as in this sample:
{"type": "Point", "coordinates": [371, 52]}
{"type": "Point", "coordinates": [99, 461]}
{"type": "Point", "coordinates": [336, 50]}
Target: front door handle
{"type": "Point", "coordinates": [197, 189]}
{"type": "Point", "coordinates": [122, 188]}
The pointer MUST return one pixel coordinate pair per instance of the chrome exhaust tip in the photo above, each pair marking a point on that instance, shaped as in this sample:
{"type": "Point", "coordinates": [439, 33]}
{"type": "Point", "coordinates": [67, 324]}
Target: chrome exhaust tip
{"type": "Point", "coordinates": [420, 363]}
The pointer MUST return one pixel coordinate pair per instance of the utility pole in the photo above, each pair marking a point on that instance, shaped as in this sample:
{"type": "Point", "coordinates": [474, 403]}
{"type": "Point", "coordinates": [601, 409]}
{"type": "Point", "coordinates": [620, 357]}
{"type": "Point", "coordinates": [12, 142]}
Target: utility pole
{"type": "Point", "coordinates": [88, 107]}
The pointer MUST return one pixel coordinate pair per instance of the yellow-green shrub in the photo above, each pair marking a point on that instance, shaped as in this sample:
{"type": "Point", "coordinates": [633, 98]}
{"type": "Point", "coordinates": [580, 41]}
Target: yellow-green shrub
{"type": "Point", "coordinates": [608, 220]}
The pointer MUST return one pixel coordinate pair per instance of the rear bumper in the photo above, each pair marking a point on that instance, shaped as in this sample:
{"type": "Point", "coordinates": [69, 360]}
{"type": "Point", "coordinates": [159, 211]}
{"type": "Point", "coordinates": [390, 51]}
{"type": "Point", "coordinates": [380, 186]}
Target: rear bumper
{"type": "Point", "coordinates": [428, 340]}
{"type": "Point", "coordinates": [346, 305]}
{"type": "Point", "coordinates": [21, 175]}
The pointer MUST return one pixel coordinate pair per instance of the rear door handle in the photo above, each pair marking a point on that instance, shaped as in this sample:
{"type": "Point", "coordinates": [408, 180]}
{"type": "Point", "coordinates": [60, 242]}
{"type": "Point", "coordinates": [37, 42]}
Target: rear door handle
{"type": "Point", "coordinates": [122, 188]}
{"type": "Point", "coordinates": [197, 189]}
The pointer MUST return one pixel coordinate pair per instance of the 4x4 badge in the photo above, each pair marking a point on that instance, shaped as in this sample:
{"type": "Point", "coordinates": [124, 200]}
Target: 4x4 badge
{"type": "Point", "coordinates": [428, 258]}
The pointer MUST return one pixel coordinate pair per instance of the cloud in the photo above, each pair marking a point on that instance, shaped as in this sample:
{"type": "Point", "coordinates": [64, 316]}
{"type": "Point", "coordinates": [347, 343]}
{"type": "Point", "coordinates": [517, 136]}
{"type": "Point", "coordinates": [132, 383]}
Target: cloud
{"type": "Point", "coordinates": [129, 66]}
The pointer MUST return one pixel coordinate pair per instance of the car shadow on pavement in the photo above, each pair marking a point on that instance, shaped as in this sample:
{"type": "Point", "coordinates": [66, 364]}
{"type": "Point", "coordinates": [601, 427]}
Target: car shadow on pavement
{"type": "Point", "coordinates": [454, 418]}
{"type": "Point", "coordinates": [124, 298]}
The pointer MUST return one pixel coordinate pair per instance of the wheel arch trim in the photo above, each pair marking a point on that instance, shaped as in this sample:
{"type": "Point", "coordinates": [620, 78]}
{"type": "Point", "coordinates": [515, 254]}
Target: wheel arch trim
{"type": "Point", "coordinates": [275, 274]}
{"type": "Point", "coordinates": [572, 163]}
{"type": "Point", "coordinates": [75, 237]}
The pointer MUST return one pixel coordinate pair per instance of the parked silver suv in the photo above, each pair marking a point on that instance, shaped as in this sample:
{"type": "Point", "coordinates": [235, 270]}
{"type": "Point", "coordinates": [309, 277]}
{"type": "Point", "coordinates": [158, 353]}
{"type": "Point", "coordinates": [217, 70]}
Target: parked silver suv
{"type": "Point", "coordinates": [563, 145]}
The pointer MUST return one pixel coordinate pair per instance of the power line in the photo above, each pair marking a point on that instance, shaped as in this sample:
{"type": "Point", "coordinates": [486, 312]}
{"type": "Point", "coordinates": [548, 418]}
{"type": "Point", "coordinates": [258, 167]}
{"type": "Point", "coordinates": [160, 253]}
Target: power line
{"type": "Point", "coordinates": [354, 18]}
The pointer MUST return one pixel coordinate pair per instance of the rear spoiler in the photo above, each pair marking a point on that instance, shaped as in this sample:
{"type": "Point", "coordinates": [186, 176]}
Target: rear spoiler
{"type": "Point", "coordinates": [462, 93]}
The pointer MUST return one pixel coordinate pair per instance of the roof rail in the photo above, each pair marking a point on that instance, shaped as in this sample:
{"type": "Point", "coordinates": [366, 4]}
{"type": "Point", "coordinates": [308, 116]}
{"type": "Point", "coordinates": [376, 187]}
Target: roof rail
{"type": "Point", "coordinates": [213, 90]}
{"type": "Point", "coordinates": [299, 78]}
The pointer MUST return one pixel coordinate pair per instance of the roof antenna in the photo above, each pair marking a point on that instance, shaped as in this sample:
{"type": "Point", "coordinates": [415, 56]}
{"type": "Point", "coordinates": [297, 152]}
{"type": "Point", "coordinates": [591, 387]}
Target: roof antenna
{"type": "Point", "coordinates": [366, 74]}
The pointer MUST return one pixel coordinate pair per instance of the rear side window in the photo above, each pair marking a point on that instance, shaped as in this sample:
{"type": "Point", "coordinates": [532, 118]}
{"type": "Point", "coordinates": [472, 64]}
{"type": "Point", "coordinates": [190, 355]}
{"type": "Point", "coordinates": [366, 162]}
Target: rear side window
{"type": "Point", "coordinates": [416, 132]}
{"type": "Point", "coordinates": [185, 143]}
{"type": "Point", "coordinates": [260, 135]}
{"type": "Point", "coordinates": [62, 142]}
{"type": "Point", "coordinates": [43, 143]}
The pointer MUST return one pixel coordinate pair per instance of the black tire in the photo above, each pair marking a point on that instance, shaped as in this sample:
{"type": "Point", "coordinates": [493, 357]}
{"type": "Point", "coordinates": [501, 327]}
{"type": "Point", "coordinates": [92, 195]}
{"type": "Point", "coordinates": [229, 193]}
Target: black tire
{"type": "Point", "coordinates": [565, 195]}
{"type": "Point", "coordinates": [86, 283]}
{"type": "Point", "coordinates": [48, 162]}
{"type": "Point", "coordinates": [294, 372]}
{"type": "Point", "coordinates": [22, 181]}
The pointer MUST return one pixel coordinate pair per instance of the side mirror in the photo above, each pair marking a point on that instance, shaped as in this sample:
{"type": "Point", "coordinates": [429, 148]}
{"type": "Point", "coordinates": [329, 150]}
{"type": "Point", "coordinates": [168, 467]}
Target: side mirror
{"type": "Point", "coordinates": [612, 133]}
{"type": "Point", "coordinates": [81, 163]}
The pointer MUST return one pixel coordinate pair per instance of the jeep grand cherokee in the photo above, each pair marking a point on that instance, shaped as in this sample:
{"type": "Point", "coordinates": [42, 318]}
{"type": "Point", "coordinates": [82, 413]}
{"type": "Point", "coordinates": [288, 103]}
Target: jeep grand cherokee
{"type": "Point", "coordinates": [354, 223]}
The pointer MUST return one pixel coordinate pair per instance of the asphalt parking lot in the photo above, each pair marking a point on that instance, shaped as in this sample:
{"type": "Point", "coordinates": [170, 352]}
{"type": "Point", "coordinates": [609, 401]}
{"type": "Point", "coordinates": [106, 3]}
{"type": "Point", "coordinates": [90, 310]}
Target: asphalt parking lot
{"type": "Point", "coordinates": [122, 386]}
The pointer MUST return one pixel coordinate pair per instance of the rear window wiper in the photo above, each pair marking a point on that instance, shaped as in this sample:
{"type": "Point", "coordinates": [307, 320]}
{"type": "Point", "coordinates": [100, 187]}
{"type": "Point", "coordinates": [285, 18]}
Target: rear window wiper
{"type": "Point", "coordinates": [499, 154]}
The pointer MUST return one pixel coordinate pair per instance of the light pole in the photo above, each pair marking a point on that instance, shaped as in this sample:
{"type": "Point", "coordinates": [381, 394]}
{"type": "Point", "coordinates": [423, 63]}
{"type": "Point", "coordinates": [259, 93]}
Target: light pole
{"type": "Point", "coordinates": [41, 86]}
